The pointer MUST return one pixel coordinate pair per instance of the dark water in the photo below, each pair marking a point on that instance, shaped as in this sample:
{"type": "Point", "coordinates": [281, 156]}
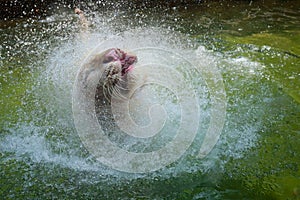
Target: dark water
{"type": "Point", "coordinates": [255, 47]}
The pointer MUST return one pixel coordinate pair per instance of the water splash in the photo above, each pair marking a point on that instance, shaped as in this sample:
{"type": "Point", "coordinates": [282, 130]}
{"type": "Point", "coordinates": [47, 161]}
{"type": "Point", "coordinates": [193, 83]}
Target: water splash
{"type": "Point", "coordinates": [52, 90]}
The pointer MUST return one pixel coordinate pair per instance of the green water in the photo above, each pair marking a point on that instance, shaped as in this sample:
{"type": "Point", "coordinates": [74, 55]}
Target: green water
{"type": "Point", "coordinates": [256, 48]}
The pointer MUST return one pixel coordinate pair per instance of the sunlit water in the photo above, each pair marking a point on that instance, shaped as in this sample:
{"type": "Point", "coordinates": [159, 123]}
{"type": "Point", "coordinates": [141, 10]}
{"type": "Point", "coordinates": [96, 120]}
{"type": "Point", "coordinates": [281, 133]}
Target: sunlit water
{"type": "Point", "coordinates": [42, 154]}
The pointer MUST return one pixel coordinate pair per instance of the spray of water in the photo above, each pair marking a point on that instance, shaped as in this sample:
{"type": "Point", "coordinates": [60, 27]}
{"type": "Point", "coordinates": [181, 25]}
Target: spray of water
{"type": "Point", "coordinates": [180, 119]}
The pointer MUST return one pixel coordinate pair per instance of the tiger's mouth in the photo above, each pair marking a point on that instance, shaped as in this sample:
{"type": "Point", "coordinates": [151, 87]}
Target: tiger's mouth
{"type": "Point", "coordinates": [126, 60]}
{"type": "Point", "coordinates": [127, 63]}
